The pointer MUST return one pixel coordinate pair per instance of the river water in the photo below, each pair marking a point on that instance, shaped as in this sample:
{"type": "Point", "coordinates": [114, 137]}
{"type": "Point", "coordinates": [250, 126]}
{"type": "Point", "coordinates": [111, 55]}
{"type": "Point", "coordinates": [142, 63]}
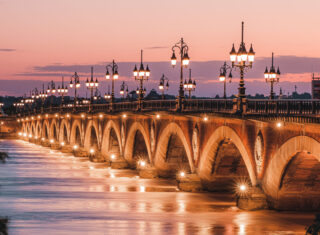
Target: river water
{"type": "Point", "coordinates": [47, 192]}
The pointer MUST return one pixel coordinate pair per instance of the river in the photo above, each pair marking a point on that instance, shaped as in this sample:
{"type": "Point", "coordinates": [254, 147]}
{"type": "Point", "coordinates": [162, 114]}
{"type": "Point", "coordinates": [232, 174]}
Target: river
{"type": "Point", "coordinates": [46, 192]}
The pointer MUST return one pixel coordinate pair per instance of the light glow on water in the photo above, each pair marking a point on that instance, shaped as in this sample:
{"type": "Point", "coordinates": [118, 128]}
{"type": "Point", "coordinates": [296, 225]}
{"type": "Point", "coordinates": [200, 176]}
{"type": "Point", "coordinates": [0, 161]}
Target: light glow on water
{"type": "Point", "coordinates": [47, 192]}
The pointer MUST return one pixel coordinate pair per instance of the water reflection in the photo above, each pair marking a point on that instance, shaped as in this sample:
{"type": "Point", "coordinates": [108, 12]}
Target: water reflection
{"type": "Point", "coordinates": [47, 192]}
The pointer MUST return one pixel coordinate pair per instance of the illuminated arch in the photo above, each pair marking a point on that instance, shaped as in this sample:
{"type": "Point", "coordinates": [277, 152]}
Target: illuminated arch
{"type": "Point", "coordinates": [54, 130]}
{"type": "Point", "coordinates": [111, 125]}
{"type": "Point", "coordinates": [162, 146]}
{"type": "Point", "coordinates": [45, 129]}
{"type": "Point", "coordinates": [129, 145]}
{"type": "Point", "coordinates": [76, 125]}
{"type": "Point", "coordinates": [281, 158]}
{"type": "Point", "coordinates": [64, 125]}
{"type": "Point", "coordinates": [211, 148]}
{"type": "Point", "coordinates": [87, 139]}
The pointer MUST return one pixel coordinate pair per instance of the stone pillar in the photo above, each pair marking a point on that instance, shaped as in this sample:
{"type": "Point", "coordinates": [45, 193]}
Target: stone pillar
{"type": "Point", "coordinates": [66, 149]}
{"type": "Point", "coordinates": [55, 146]}
{"type": "Point", "coordinates": [148, 172]}
{"type": "Point", "coordinates": [80, 152]}
{"type": "Point", "coordinates": [255, 199]}
{"type": "Point", "coordinates": [118, 163]}
{"type": "Point", "coordinates": [189, 183]}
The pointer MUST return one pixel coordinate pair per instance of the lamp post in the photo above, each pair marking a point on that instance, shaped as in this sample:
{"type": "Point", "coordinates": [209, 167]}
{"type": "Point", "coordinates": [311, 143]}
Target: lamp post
{"type": "Point", "coordinates": [97, 95]}
{"type": "Point", "coordinates": [141, 75]}
{"type": "Point", "coordinates": [183, 49]}
{"type": "Point", "coordinates": [28, 101]}
{"type": "Point", "coordinates": [62, 90]}
{"type": "Point", "coordinates": [163, 84]}
{"type": "Point", "coordinates": [51, 89]}
{"type": "Point", "coordinates": [189, 85]}
{"type": "Point", "coordinates": [107, 96]}
{"type": "Point", "coordinates": [124, 89]}
{"type": "Point", "coordinates": [43, 95]}
{"type": "Point", "coordinates": [272, 76]}
{"type": "Point", "coordinates": [114, 76]}
{"type": "Point", "coordinates": [222, 77]}
{"type": "Point", "coordinates": [75, 83]}
{"type": "Point", "coordinates": [91, 85]}
{"type": "Point", "coordinates": [242, 60]}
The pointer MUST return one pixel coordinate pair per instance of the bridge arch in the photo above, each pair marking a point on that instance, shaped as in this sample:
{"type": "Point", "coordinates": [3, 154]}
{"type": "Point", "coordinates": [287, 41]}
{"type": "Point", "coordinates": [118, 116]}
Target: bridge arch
{"type": "Point", "coordinates": [33, 129]}
{"type": "Point", "coordinates": [38, 129]}
{"type": "Point", "coordinates": [64, 132]}
{"type": "Point", "coordinates": [45, 129]}
{"type": "Point", "coordinates": [136, 131]}
{"type": "Point", "coordinates": [91, 139]}
{"type": "Point", "coordinates": [297, 157]}
{"type": "Point", "coordinates": [28, 128]}
{"type": "Point", "coordinates": [225, 135]}
{"type": "Point", "coordinates": [54, 130]}
{"type": "Point", "coordinates": [173, 132]}
{"type": "Point", "coordinates": [76, 133]}
{"type": "Point", "coordinates": [111, 139]}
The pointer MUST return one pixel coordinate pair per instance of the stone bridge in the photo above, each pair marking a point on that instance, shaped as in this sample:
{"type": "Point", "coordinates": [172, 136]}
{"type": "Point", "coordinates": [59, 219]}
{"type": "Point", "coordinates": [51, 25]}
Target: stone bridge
{"type": "Point", "coordinates": [277, 160]}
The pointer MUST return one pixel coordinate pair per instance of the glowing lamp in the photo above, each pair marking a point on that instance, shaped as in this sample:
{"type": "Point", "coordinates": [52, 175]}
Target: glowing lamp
{"type": "Point", "coordinates": [173, 59]}
{"type": "Point", "coordinates": [242, 188]}
{"type": "Point", "coordinates": [142, 163]}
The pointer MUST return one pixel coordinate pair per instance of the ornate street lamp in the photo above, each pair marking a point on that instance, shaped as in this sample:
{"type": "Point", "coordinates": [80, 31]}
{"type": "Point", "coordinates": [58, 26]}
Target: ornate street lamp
{"type": "Point", "coordinates": [62, 91]}
{"type": "Point", "coordinates": [124, 89]}
{"type": "Point", "coordinates": [184, 59]}
{"type": "Point", "coordinates": [114, 76]}
{"type": "Point", "coordinates": [75, 83]}
{"type": "Point", "coordinates": [97, 95]}
{"type": "Point", "coordinates": [141, 75]}
{"type": "Point", "coordinates": [107, 96]}
{"type": "Point", "coordinates": [242, 60]}
{"type": "Point", "coordinates": [163, 84]}
{"type": "Point", "coordinates": [189, 85]}
{"type": "Point", "coordinates": [91, 85]}
{"type": "Point", "coordinates": [51, 89]}
{"type": "Point", "coordinates": [43, 95]}
{"type": "Point", "coordinates": [272, 76]}
{"type": "Point", "coordinates": [224, 69]}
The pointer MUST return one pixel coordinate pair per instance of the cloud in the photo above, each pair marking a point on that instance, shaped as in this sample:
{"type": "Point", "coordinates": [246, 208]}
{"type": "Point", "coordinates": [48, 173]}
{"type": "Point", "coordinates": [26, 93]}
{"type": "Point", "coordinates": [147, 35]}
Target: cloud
{"type": "Point", "coordinates": [7, 50]}
{"type": "Point", "coordinates": [295, 71]}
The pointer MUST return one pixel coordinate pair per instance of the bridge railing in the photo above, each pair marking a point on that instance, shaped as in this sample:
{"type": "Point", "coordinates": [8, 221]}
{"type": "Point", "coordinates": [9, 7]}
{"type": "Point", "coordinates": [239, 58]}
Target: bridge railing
{"type": "Point", "coordinates": [209, 105]}
{"type": "Point", "coordinates": [283, 107]}
{"type": "Point", "coordinates": [159, 105]}
{"type": "Point", "coordinates": [295, 110]}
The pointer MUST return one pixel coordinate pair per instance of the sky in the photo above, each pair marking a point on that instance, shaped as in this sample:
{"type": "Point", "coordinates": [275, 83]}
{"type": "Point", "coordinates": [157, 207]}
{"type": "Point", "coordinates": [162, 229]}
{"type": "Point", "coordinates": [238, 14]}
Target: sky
{"type": "Point", "coordinates": [42, 40]}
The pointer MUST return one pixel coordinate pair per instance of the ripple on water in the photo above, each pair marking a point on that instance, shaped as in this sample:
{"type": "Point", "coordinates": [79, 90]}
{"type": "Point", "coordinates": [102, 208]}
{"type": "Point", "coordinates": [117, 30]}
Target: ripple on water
{"type": "Point", "coordinates": [47, 192]}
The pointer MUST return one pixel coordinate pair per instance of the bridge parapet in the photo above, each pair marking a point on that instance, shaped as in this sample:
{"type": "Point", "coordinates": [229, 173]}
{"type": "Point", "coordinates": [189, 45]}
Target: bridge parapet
{"type": "Point", "coordinates": [286, 110]}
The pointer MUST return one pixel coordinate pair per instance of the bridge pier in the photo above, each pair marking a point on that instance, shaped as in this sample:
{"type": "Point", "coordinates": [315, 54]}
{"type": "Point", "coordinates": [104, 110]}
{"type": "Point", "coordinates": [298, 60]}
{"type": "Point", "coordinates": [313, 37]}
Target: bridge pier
{"type": "Point", "coordinates": [80, 152]}
{"type": "Point", "coordinates": [66, 149]}
{"type": "Point", "coordinates": [148, 172]}
{"type": "Point", "coordinates": [255, 199]}
{"type": "Point", "coordinates": [55, 146]}
{"type": "Point", "coordinates": [189, 183]}
{"type": "Point", "coordinates": [45, 143]}
{"type": "Point", "coordinates": [97, 157]}
{"type": "Point", "coordinates": [118, 162]}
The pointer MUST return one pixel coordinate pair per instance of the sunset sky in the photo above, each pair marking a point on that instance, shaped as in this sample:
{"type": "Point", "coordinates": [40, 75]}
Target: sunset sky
{"type": "Point", "coordinates": [42, 40]}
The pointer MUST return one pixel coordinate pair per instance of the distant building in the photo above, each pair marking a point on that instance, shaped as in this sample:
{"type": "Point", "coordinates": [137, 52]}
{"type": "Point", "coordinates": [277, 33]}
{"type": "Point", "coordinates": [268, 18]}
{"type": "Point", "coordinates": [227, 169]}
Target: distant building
{"type": "Point", "coordinates": [315, 87]}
